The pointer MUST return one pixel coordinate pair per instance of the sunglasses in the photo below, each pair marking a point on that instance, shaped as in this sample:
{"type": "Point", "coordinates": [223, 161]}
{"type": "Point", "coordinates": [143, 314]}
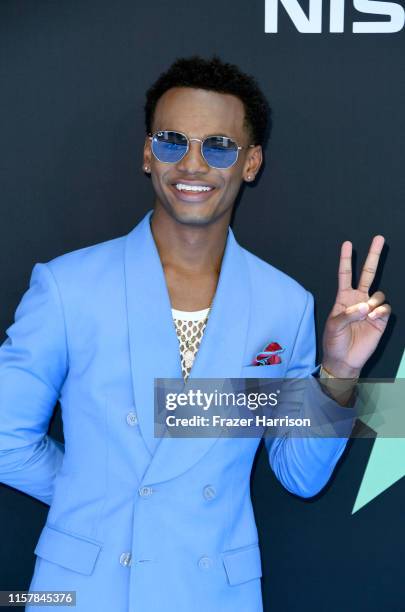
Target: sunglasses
{"type": "Point", "coordinates": [170, 147]}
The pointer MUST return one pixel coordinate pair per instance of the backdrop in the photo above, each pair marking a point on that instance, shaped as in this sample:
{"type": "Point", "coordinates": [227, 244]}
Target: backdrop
{"type": "Point", "coordinates": [73, 77]}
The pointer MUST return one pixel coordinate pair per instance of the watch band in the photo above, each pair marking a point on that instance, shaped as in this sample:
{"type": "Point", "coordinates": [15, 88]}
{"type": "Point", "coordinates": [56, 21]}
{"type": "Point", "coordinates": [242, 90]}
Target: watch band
{"type": "Point", "coordinates": [323, 373]}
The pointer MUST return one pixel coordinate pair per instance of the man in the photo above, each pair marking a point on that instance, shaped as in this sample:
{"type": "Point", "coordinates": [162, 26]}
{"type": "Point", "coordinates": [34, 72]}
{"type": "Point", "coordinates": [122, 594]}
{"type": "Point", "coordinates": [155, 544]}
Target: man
{"type": "Point", "coordinates": [161, 525]}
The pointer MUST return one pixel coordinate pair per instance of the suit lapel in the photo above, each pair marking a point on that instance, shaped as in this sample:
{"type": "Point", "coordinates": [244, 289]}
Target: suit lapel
{"type": "Point", "coordinates": [154, 346]}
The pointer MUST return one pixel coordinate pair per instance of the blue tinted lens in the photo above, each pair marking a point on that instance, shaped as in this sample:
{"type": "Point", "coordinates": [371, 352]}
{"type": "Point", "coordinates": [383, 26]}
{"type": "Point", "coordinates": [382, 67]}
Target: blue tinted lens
{"type": "Point", "coordinates": [220, 152]}
{"type": "Point", "coordinates": [169, 147]}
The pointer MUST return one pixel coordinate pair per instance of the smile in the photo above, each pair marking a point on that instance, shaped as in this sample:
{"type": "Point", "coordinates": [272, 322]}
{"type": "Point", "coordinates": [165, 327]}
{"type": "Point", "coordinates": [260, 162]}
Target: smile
{"type": "Point", "coordinates": [196, 188]}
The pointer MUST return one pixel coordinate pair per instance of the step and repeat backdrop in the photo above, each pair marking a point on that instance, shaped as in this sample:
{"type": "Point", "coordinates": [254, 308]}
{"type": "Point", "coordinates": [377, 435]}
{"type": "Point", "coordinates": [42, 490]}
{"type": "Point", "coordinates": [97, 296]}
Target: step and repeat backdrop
{"type": "Point", "coordinates": [73, 82]}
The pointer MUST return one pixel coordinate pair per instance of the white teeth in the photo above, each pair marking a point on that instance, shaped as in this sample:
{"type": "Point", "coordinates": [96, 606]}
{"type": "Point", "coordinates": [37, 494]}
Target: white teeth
{"type": "Point", "coordinates": [182, 187]}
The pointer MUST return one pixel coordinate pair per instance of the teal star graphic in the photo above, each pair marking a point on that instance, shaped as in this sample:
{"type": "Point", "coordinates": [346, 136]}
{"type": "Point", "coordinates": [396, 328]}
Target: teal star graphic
{"type": "Point", "coordinates": [386, 464]}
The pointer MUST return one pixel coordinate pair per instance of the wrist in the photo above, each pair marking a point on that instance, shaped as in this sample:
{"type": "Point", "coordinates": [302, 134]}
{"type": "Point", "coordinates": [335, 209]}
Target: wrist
{"type": "Point", "coordinates": [338, 370]}
{"type": "Point", "coordinates": [339, 389]}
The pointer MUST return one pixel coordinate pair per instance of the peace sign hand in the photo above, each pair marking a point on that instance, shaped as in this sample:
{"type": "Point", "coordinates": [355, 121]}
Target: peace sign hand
{"type": "Point", "coordinates": [357, 321]}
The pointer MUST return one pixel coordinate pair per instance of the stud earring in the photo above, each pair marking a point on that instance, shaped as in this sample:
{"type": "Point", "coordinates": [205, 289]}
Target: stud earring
{"type": "Point", "coordinates": [146, 168]}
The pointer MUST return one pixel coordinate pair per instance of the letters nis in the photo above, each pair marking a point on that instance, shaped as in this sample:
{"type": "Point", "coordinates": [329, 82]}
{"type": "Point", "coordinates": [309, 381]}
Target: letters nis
{"type": "Point", "coordinates": [312, 23]}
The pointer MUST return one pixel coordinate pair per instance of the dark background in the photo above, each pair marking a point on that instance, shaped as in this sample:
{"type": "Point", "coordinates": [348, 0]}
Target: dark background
{"type": "Point", "coordinates": [73, 77]}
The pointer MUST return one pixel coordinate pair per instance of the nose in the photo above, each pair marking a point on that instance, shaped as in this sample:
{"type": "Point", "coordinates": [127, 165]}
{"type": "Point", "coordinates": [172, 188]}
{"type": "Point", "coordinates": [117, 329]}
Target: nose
{"type": "Point", "coordinates": [193, 162]}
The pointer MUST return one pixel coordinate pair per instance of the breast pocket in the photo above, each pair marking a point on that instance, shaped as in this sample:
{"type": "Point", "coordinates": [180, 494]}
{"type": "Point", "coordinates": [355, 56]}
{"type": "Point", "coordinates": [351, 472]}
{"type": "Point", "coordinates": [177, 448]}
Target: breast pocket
{"type": "Point", "coordinates": [263, 371]}
{"type": "Point", "coordinates": [73, 551]}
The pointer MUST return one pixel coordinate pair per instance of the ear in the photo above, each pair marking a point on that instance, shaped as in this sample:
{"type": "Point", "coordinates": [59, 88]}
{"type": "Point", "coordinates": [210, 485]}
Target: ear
{"type": "Point", "coordinates": [147, 155]}
{"type": "Point", "coordinates": [253, 162]}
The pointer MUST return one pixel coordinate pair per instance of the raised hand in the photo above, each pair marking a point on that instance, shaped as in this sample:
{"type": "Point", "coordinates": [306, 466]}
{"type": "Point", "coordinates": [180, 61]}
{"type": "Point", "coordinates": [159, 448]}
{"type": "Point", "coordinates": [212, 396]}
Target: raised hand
{"type": "Point", "coordinates": [357, 320]}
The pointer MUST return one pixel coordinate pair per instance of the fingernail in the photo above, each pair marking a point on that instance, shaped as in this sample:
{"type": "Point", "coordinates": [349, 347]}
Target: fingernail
{"type": "Point", "coordinates": [363, 308]}
{"type": "Point", "coordinates": [372, 314]}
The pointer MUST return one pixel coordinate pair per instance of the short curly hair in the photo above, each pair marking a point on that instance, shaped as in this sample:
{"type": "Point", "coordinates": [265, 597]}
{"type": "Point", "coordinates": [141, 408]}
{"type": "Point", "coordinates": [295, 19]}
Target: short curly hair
{"type": "Point", "coordinates": [214, 75]}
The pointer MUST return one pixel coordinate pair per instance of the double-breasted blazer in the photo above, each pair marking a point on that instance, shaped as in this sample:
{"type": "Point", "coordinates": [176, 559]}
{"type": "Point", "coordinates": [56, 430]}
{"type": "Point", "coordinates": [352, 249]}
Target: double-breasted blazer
{"type": "Point", "coordinates": [138, 523]}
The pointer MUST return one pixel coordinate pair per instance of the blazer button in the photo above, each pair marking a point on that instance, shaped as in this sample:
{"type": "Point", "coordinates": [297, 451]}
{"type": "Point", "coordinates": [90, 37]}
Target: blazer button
{"type": "Point", "coordinates": [205, 563]}
{"type": "Point", "coordinates": [145, 491]}
{"type": "Point", "coordinates": [132, 419]}
{"type": "Point", "coordinates": [209, 492]}
{"type": "Point", "coordinates": [125, 559]}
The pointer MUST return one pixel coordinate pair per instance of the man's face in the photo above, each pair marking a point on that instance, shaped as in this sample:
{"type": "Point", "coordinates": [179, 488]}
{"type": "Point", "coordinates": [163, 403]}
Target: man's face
{"type": "Point", "coordinates": [198, 113]}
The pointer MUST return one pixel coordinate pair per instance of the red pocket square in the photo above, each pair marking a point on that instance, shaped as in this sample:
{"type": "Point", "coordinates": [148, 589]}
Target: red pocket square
{"type": "Point", "coordinates": [270, 355]}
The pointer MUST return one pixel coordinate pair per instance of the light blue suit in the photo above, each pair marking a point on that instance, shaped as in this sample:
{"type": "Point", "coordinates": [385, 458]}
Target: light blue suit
{"type": "Point", "coordinates": [140, 524]}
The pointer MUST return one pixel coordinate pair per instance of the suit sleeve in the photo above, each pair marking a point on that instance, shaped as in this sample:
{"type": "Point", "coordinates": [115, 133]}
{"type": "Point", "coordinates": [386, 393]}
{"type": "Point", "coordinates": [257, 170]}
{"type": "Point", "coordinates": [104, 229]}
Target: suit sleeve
{"type": "Point", "coordinates": [33, 366]}
{"type": "Point", "coordinates": [305, 464]}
